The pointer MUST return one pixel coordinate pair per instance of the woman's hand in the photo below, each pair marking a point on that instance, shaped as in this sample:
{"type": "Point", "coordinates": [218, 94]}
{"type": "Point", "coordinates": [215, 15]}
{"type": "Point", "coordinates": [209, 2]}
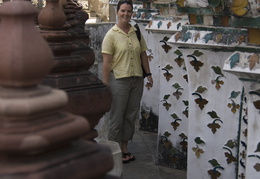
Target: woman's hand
{"type": "Point", "coordinates": [150, 81]}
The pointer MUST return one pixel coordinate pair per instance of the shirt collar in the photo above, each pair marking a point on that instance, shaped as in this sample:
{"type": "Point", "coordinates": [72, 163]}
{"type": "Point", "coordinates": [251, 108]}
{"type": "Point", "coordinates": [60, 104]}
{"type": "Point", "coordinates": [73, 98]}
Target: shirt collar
{"type": "Point", "coordinates": [116, 28]}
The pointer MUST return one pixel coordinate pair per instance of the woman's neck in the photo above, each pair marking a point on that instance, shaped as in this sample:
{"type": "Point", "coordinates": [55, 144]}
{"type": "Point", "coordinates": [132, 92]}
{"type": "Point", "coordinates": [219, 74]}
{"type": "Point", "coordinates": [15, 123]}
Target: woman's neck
{"type": "Point", "coordinates": [124, 27]}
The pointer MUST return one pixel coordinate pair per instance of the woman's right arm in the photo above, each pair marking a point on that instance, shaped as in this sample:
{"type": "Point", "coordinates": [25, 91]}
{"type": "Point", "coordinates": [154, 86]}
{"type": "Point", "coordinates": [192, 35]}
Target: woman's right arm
{"type": "Point", "coordinates": [107, 59]}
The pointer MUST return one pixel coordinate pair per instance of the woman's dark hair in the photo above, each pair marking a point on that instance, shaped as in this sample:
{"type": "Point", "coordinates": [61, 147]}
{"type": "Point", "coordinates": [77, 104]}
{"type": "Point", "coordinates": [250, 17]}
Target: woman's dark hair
{"type": "Point", "coordinates": [129, 2]}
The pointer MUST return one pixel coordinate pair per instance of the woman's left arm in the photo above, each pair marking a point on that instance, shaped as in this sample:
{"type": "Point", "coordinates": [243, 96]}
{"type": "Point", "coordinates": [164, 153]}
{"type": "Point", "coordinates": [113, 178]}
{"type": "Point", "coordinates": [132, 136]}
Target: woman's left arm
{"type": "Point", "coordinates": [146, 67]}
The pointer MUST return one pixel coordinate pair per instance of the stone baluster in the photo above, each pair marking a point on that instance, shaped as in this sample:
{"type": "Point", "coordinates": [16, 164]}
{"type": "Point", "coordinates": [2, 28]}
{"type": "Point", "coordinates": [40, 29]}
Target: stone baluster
{"type": "Point", "coordinates": [88, 96]}
{"type": "Point", "coordinates": [37, 139]}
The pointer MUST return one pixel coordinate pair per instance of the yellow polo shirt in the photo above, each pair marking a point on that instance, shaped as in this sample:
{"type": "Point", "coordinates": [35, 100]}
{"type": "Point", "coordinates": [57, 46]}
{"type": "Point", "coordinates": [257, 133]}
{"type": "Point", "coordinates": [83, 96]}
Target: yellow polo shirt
{"type": "Point", "coordinates": [126, 50]}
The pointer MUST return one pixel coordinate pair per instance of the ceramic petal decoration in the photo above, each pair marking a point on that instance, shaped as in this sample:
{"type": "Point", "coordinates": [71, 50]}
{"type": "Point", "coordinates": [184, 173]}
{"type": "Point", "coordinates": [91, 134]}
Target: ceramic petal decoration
{"type": "Point", "coordinates": [234, 59]}
{"type": "Point", "coordinates": [253, 60]}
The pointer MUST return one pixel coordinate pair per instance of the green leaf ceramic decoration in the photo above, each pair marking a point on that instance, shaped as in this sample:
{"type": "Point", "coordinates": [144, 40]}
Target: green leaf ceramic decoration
{"type": "Point", "coordinates": [176, 85]}
{"type": "Point", "coordinates": [231, 144]}
{"type": "Point", "coordinates": [177, 52]}
{"type": "Point", "coordinates": [174, 116]}
{"type": "Point", "coordinates": [183, 136]}
{"type": "Point", "coordinates": [186, 103]}
{"type": "Point", "coordinates": [207, 37]}
{"type": "Point", "coordinates": [234, 94]}
{"type": "Point", "coordinates": [214, 163]}
{"type": "Point", "coordinates": [217, 70]}
{"type": "Point", "coordinates": [165, 38]}
{"type": "Point", "coordinates": [187, 36]}
{"type": "Point", "coordinates": [258, 147]}
{"type": "Point", "coordinates": [168, 67]}
{"type": "Point", "coordinates": [213, 115]}
{"type": "Point", "coordinates": [234, 59]}
{"type": "Point", "coordinates": [198, 151]}
{"type": "Point", "coordinates": [166, 97]}
{"type": "Point", "coordinates": [197, 53]}
{"type": "Point", "coordinates": [200, 89]}
{"type": "Point", "coordinates": [167, 134]}
{"type": "Point", "coordinates": [253, 60]}
{"type": "Point", "coordinates": [198, 140]}
{"type": "Point", "coordinates": [167, 74]}
{"type": "Point", "coordinates": [159, 24]}
{"type": "Point", "coordinates": [195, 63]}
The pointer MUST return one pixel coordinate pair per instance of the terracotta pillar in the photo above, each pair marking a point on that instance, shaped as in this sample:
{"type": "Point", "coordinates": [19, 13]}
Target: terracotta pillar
{"type": "Point", "coordinates": [88, 96]}
{"type": "Point", "coordinates": [37, 140]}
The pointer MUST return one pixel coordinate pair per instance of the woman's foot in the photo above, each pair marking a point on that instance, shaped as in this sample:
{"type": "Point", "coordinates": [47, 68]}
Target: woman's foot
{"type": "Point", "coordinates": [129, 156]}
{"type": "Point", "coordinates": [125, 158]}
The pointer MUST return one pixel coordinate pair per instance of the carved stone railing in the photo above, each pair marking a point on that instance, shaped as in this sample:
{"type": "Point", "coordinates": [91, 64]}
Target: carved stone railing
{"type": "Point", "coordinates": [37, 138]}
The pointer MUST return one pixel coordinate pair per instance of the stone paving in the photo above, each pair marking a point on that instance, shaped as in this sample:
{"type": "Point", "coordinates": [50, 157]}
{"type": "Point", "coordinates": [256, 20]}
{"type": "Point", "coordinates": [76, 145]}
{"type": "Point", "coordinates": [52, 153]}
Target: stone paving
{"type": "Point", "coordinates": [143, 147]}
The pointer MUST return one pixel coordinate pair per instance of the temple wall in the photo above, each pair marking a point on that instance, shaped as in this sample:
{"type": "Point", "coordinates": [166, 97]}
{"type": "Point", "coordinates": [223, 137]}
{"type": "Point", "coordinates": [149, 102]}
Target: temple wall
{"type": "Point", "coordinates": [204, 104]}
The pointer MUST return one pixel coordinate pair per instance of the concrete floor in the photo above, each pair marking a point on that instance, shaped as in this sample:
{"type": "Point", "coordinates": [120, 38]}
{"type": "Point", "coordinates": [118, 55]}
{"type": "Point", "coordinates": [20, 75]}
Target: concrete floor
{"type": "Point", "coordinates": [143, 147]}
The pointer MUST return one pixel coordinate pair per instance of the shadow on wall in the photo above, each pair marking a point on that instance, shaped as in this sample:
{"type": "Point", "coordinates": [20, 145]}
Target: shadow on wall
{"type": "Point", "coordinates": [148, 121]}
{"type": "Point", "coordinates": [171, 156]}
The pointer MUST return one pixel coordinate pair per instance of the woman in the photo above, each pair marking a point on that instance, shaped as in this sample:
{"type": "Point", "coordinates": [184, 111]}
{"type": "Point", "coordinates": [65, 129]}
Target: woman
{"type": "Point", "coordinates": [123, 58]}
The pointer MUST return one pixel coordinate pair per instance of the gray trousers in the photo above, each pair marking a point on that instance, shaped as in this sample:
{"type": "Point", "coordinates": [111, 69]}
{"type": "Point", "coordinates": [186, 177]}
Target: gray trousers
{"type": "Point", "coordinates": [126, 97]}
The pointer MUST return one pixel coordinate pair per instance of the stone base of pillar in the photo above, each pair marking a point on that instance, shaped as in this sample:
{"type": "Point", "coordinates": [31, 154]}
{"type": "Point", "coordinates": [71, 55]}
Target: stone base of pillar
{"type": "Point", "coordinates": [80, 159]}
{"type": "Point", "coordinates": [117, 156]}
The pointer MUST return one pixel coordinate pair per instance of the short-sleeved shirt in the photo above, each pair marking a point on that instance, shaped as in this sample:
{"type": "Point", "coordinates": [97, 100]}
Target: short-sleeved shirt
{"type": "Point", "coordinates": [125, 50]}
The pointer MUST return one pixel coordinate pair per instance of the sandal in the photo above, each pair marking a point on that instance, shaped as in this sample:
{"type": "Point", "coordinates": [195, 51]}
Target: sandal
{"type": "Point", "coordinates": [129, 156]}
{"type": "Point", "coordinates": [125, 158]}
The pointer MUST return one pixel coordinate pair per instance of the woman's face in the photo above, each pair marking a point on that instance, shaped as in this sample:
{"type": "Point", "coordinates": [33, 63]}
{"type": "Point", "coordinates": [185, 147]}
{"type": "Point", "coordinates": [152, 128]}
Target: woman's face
{"type": "Point", "coordinates": [124, 13]}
